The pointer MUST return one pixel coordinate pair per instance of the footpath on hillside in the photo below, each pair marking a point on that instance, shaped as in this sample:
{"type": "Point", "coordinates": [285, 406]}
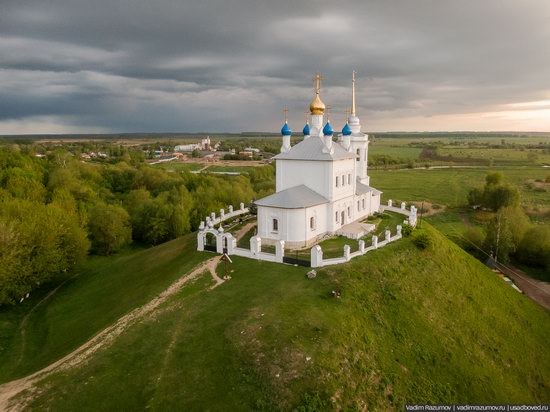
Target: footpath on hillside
{"type": "Point", "coordinates": [104, 338]}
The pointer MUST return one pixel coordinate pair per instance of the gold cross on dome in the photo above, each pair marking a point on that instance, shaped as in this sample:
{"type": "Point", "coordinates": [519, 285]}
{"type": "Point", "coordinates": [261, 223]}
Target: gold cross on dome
{"type": "Point", "coordinates": [317, 82]}
{"type": "Point", "coordinates": [285, 112]}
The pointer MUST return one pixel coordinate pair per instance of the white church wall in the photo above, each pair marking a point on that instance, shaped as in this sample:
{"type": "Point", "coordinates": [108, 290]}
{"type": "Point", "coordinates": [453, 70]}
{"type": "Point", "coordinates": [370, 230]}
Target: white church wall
{"type": "Point", "coordinates": [344, 170]}
{"type": "Point", "coordinates": [293, 224]}
{"type": "Point", "coordinates": [313, 174]}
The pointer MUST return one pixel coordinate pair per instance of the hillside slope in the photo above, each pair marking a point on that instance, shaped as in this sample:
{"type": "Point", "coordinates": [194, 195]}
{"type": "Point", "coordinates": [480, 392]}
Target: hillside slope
{"type": "Point", "coordinates": [411, 326]}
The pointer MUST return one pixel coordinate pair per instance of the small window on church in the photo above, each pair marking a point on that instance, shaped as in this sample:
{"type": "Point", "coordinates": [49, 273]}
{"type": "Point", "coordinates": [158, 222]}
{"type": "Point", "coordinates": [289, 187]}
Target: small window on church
{"type": "Point", "coordinates": [337, 180]}
{"type": "Point", "coordinates": [363, 203]}
{"type": "Point", "coordinates": [312, 223]}
{"type": "Point", "coordinates": [358, 154]}
{"type": "Point", "coordinates": [349, 211]}
{"type": "Point", "coordinates": [275, 225]}
{"type": "Point", "coordinates": [343, 180]}
{"type": "Point", "coordinates": [336, 217]}
{"type": "Point", "coordinates": [349, 178]}
{"type": "Point", "coordinates": [358, 206]}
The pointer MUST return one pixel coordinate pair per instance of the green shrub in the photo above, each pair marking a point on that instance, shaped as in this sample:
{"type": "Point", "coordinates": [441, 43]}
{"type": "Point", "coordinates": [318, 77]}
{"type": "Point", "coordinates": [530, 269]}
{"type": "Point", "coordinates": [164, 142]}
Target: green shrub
{"type": "Point", "coordinates": [473, 239]}
{"type": "Point", "coordinates": [406, 230]}
{"type": "Point", "coordinates": [312, 402]}
{"type": "Point", "coordinates": [422, 240]}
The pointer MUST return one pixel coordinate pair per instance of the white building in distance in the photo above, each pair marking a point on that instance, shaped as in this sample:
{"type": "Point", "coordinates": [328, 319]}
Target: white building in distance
{"type": "Point", "coordinates": [322, 185]}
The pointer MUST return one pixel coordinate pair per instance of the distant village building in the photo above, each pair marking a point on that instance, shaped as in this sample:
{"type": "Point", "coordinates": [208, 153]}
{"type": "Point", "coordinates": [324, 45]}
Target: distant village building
{"type": "Point", "coordinates": [204, 145]}
{"type": "Point", "coordinates": [322, 185]}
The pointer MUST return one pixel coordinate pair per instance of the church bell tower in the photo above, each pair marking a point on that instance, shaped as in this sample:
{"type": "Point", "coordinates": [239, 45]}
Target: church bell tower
{"type": "Point", "coordinates": [359, 140]}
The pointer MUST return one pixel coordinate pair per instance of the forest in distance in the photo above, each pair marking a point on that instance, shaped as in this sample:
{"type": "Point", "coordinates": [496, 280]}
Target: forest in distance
{"type": "Point", "coordinates": [57, 209]}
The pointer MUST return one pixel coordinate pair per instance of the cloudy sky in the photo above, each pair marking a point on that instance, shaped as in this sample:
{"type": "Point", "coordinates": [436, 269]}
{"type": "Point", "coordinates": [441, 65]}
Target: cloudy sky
{"type": "Point", "coordinates": [76, 66]}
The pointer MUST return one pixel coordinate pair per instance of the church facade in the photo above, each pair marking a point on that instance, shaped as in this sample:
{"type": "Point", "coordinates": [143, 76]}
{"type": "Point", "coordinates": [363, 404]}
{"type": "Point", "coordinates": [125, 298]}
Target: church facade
{"type": "Point", "coordinates": [322, 182]}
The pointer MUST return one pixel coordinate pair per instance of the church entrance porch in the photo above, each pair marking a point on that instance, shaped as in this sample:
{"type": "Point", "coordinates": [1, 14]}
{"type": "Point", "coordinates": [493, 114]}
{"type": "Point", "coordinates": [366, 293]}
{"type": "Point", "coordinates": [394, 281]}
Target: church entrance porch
{"type": "Point", "coordinates": [355, 230]}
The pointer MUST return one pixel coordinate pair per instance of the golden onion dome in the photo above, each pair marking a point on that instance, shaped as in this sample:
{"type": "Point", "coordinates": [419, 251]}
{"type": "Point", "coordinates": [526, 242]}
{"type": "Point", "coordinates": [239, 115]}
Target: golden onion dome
{"type": "Point", "coordinates": [317, 106]}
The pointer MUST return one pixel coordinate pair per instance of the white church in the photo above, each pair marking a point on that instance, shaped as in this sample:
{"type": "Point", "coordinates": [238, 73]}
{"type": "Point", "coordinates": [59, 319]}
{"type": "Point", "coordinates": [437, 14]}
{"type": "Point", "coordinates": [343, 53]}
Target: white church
{"type": "Point", "coordinates": [322, 184]}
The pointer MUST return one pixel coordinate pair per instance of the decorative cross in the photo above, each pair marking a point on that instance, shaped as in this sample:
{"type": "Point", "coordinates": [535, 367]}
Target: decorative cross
{"type": "Point", "coordinates": [285, 112]}
{"type": "Point", "coordinates": [327, 111]}
{"type": "Point", "coordinates": [317, 82]}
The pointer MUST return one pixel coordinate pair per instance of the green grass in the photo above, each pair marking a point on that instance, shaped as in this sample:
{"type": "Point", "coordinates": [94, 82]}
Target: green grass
{"type": "Point", "coordinates": [389, 147]}
{"type": "Point", "coordinates": [239, 169]}
{"type": "Point", "coordinates": [104, 289]}
{"type": "Point", "coordinates": [180, 167]}
{"type": "Point", "coordinates": [451, 186]}
{"type": "Point", "coordinates": [432, 326]}
{"type": "Point", "coordinates": [504, 155]}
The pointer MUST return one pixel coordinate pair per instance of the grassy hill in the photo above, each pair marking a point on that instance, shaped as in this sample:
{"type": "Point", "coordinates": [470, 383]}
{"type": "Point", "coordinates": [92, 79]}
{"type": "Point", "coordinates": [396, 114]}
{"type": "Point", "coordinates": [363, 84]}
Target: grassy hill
{"type": "Point", "coordinates": [411, 326]}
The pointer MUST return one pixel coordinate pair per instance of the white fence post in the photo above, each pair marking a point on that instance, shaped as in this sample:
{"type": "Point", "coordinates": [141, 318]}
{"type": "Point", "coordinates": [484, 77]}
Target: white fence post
{"type": "Point", "coordinates": [390, 203]}
{"type": "Point", "coordinates": [388, 235]}
{"type": "Point", "coordinates": [230, 208]}
{"type": "Point", "coordinates": [255, 245]}
{"type": "Point", "coordinates": [316, 256]}
{"type": "Point", "coordinates": [222, 214]}
{"type": "Point", "coordinates": [280, 250]}
{"type": "Point", "coordinates": [375, 242]}
{"type": "Point", "coordinates": [362, 246]}
{"type": "Point", "coordinates": [399, 228]}
{"type": "Point", "coordinates": [403, 205]}
{"type": "Point", "coordinates": [242, 206]}
{"type": "Point", "coordinates": [347, 252]}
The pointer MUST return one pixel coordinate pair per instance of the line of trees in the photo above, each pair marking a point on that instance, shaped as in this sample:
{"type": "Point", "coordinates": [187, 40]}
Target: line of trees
{"type": "Point", "coordinates": [510, 233]}
{"type": "Point", "coordinates": [54, 211]}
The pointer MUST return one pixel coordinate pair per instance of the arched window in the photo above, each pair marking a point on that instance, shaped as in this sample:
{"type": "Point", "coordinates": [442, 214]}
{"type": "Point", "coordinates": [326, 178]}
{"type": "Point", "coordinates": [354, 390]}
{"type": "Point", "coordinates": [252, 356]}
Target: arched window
{"type": "Point", "coordinates": [275, 225]}
{"type": "Point", "coordinates": [349, 178]}
{"type": "Point", "coordinates": [358, 154]}
{"type": "Point", "coordinates": [336, 217]}
{"type": "Point", "coordinates": [312, 223]}
{"type": "Point", "coordinates": [337, 180]}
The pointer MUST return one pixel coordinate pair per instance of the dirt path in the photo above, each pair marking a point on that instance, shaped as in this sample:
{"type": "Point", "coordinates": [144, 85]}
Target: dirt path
{"type": "Point", "coordinates": [537, 290]}
{"type": "Point", "coordinates": [104, 338]}
{"type": "Point", "coordinates": [243, 230]}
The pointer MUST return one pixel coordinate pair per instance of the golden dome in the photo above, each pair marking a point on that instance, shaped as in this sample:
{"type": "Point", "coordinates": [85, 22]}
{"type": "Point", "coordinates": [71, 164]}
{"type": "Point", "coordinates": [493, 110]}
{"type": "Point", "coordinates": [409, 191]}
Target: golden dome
{"type": "Point", "coordinates": [317, 106]}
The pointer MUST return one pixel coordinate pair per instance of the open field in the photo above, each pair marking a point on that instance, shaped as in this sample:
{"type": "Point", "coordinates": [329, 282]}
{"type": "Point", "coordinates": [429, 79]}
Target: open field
{"type": "Point", "coordinates": [270, 338]}
{"type": "Point", "coordinates": [451, 186]}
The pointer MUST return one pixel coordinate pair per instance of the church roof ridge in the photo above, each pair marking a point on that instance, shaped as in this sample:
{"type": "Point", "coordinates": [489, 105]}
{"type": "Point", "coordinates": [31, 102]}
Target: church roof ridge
{"type": "Point", "coordinates": [312, 149]}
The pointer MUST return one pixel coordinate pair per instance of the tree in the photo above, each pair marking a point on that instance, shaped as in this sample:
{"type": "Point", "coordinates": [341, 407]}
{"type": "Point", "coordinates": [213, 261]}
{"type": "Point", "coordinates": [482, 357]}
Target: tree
{"type": "Point", "coordinates": [494, 178]}
{"type": "Point", "coordinates": [475, 197]}
{"type": "Point", "coordinates": [109, 228]}
{"type": "Point", "coordinates": [534, 248]}
{"type": "Point", "coordinates": [499, 240]}
{"type": "Point", "coordinates": [497, 196]}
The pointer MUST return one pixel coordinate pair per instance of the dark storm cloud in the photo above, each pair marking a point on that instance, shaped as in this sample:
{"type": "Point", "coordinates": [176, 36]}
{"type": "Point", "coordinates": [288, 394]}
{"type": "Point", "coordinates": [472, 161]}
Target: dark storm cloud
{"type": "Point", "coordinates": [126, 65]}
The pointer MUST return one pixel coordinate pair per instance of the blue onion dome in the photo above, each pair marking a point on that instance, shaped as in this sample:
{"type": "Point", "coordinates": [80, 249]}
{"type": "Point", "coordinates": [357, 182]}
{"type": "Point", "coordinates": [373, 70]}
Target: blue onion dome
{"type": "Point", "coordinates": [346, 131]}
{"type": "Point", "coordinates": [285, 131]}
{"type": "Point", "coordinates": [327, 130]}
{"type": "Point", "coordinates": [306, 131]}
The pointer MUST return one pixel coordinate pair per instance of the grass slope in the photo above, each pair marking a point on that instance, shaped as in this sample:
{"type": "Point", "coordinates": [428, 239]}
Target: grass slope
{"type": "Point", "coordinates": [411, 326]}
{"type": "Point", "coordinates": [104, 289]}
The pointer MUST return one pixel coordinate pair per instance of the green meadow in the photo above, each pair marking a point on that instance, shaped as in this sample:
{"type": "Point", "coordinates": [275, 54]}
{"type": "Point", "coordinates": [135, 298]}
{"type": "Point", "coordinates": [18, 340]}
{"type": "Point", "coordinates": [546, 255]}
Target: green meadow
{"type": "Point", "coordinates": [411, 326]}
